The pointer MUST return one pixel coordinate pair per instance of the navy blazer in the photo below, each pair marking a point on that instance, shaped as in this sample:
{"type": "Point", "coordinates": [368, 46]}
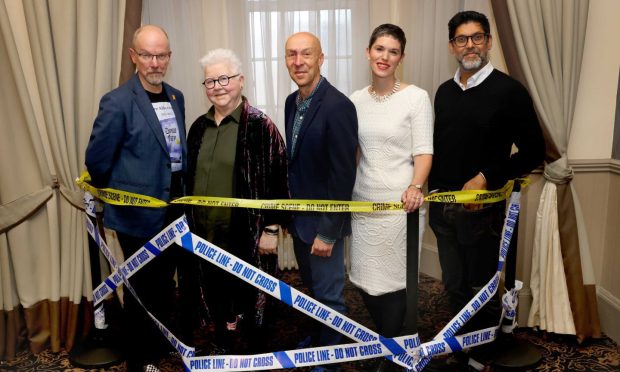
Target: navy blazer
{"type": "Point", "coordinates": [127, 151]}
{"type": "Point", "coordinates": [324, 163]}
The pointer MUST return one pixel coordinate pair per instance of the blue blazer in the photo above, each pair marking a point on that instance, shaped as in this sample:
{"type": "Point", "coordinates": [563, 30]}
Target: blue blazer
{"type": "Point", "coordinates": [127, 151]}
{"type": "Point", "coordinates": [324, 163]}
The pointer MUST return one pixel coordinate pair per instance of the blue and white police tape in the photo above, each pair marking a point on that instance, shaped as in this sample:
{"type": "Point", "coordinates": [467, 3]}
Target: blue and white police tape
{"type": "Point", "coordinates": [457, 343]}
{"type": "Point", "coordinates": [446, 335]}
{"type": "Point", "coordinates": [335, 354]}
{"type": "Point", "coordinates": [89, 208]}
{"type": "Point", "coordinates": [180, 226]}
{"type": "Point", "coordinates": [291, 296]}
{"type": "Point", "coordinates": [309, 306]}
{"type": "Point", "coordinates": [299, 357]}
{"type": "Point", "coordinates": [378, 347]}
{"type": "Point", "coordinates": [145, 254]}
{"type": "Point", "coordinates": [89, 204]}
{"type": "Point", "coordinates": [103, 247]}
{"type": "Point", "coordinates": [510, 300]}
{"type": "Point", "coordinates": [109, 285]}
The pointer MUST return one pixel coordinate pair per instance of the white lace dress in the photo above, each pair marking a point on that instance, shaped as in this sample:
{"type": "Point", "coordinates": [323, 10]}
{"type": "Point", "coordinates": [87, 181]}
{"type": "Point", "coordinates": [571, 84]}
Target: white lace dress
{"type": "Point", "coordinates": [390, 134]}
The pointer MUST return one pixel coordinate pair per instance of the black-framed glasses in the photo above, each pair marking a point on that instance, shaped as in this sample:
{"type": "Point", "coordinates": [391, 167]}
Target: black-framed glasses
{"type": "Point", "coordinates": [148, 57]}
{"type": "Point", "coordinates": [223, 80]}
{"type": "Point", "coordinates": [478, 39]}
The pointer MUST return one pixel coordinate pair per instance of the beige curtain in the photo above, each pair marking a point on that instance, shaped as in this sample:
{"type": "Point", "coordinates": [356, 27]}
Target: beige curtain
{"type": "Point", "coordinates": [56, 60]}
{"type": "Point", "coordinates": [548, 39]}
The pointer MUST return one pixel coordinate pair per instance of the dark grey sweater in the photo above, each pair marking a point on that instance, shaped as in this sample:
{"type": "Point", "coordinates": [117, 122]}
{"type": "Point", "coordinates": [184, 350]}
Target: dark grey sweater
{"type": "Point", "coordinates": [475, 130]}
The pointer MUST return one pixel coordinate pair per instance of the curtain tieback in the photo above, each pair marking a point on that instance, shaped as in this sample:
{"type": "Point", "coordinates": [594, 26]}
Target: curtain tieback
{"type": "Point", "coordinates": [559, 172]}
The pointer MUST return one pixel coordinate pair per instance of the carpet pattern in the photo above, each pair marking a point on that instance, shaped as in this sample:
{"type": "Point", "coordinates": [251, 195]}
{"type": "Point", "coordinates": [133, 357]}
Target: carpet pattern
{"type": "Point", "coordinates": [559, 353]}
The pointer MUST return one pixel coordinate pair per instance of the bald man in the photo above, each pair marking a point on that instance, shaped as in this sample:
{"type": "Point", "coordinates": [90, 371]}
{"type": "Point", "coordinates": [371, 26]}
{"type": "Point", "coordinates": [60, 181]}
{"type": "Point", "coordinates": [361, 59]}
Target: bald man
{"type": "Point", "coordinates": [138, 145]}
{"type": "Point", "coordinates": [321, 137]}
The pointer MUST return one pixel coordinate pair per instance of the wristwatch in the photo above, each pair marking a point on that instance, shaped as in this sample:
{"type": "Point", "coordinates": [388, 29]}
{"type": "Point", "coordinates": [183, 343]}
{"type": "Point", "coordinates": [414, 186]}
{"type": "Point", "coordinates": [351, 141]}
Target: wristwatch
{"type": "Point", "coordinates": [419, 187]}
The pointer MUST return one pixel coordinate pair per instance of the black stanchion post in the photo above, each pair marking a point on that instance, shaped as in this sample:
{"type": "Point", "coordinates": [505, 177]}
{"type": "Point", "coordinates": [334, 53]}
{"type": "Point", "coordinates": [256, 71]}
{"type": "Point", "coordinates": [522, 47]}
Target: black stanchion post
{"type": "Point", "coordinates": [512, 352]}
{"type": "Point", "coordinates": [98, 351]}
{"type": "Point", "coordinates": [413, 238]}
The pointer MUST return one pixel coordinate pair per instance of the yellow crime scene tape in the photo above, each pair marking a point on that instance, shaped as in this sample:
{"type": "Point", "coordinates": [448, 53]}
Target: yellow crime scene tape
{"type": "Point", "coordinates": [119, 197]}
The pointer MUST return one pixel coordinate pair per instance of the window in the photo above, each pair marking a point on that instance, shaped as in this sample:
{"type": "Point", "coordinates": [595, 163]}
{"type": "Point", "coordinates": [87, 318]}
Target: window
{"type": "Point", "coordinates": [269, 25]}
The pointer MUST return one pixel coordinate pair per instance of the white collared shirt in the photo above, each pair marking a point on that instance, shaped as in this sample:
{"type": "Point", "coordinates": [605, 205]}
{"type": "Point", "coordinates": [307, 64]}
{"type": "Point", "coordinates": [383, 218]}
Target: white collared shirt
{"type": "Point", "coordinates": [475, 79]}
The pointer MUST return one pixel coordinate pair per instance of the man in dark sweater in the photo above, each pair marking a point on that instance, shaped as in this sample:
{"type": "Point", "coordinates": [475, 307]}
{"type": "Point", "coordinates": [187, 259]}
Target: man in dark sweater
{"type": "Point", "coordinates": [479, 115]}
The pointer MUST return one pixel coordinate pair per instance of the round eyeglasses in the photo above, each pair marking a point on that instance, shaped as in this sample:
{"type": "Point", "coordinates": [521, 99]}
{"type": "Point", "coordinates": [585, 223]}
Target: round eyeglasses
{"type": "Point", "coordinates": [223, 80]}
{"type": "Point", "coordinates": [477, 39]}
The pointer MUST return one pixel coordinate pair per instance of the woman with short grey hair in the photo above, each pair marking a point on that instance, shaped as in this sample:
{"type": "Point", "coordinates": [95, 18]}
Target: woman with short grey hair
{"type": "Point", "coordinates": [235, 151]}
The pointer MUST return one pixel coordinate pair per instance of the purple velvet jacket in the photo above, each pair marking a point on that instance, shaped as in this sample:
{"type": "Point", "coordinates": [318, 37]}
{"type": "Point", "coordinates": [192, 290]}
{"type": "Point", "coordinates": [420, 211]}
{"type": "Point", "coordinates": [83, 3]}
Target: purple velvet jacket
{"type": "Point", "coordinates": [260, 172]}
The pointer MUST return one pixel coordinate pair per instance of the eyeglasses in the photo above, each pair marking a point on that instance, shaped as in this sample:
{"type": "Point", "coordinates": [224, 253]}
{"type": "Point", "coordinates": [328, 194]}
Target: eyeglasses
{"type": "Point", "coordinates": [148, 57]}
{"type": "Point", "coordinates": [223, 80]}
{"type": "Point", "coordinates": [477, 39]}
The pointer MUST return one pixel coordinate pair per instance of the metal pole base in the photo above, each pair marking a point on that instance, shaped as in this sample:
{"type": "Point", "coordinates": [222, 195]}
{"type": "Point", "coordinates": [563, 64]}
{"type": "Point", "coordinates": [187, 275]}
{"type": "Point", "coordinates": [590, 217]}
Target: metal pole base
{"type": "Point", "coordinates": [515, 353]}
{"type": "Point", "coordinates": [96, 352]}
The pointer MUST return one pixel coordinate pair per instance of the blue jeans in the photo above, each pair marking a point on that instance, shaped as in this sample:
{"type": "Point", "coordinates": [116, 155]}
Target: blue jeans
{"type": "Point", "coordinates": [468, 245]}
{"type": "Point", "coordinates": [325, 277]}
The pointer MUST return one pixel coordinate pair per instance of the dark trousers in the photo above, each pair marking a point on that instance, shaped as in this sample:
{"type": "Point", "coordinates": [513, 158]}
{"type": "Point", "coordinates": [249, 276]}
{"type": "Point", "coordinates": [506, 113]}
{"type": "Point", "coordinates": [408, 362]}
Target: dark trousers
{"type": "Point", "coordinates": [227, 296]}
{"type": "Point", "coordinates": [468, 245]}
{"type": "Point", "coordinates": [154, 285]}
{"type": "Point", "coordinates": [325, 278]}
{"type": "Point", "coordinates": [387, 311]}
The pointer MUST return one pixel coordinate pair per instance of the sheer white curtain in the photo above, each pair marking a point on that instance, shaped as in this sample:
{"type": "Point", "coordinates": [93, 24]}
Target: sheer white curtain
{"type": "Point", "coordinates": [337, 23]}
{"type": "Point", "coordinates": [257, 31]}
{"type": "Point", "coordinates": [428, 62]}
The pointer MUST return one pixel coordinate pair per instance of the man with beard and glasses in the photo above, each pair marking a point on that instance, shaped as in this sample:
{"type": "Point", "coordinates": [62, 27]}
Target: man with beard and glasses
{"type": "Point", "coordinates": [479, 115]}
{"type": "Point", "coordinates": [138, 145]}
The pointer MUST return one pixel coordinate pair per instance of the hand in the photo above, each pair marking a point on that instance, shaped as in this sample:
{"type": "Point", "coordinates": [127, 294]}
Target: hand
{"type": "Point", "coordinates": [412, 199]}
{"type": "Point", "coordinates": [268, 244]}
{"type": "Point", "coordinates": [476, 183]}
{"type": "Point", "coordinates": [321, 249]}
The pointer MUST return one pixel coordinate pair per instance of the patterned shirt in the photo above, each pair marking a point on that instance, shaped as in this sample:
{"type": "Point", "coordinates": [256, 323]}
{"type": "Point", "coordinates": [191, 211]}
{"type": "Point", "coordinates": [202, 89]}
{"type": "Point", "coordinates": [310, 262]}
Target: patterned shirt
{"type": "Point", "coordinates": [302, 107]}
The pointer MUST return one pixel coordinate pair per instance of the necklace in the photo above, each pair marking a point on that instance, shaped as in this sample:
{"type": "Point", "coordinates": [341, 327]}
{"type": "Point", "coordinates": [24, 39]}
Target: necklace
{"type": "Point", "coordinates": [385, 97]}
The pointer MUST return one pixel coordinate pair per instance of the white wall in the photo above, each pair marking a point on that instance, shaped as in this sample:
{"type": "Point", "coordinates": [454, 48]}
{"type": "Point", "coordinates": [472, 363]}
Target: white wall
{"type": "Point", "coordinates": [593, 123]}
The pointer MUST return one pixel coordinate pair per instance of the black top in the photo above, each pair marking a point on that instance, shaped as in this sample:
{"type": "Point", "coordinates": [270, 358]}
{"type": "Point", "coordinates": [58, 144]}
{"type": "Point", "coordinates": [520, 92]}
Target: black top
{"type": "Point", "coordinates": [476, 128]}
{"type": "Point", "coordinates": [158, 97]}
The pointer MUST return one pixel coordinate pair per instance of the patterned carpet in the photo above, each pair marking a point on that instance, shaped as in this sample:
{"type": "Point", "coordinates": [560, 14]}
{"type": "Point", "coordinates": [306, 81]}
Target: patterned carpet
{"type": "Point", "coordinates": [559, 353]}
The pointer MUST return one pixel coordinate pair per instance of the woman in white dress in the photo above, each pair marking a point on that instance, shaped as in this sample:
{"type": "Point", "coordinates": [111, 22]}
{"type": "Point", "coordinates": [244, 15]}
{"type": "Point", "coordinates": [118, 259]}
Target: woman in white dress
{"type": "Point", "coordinates": [395, 132]}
